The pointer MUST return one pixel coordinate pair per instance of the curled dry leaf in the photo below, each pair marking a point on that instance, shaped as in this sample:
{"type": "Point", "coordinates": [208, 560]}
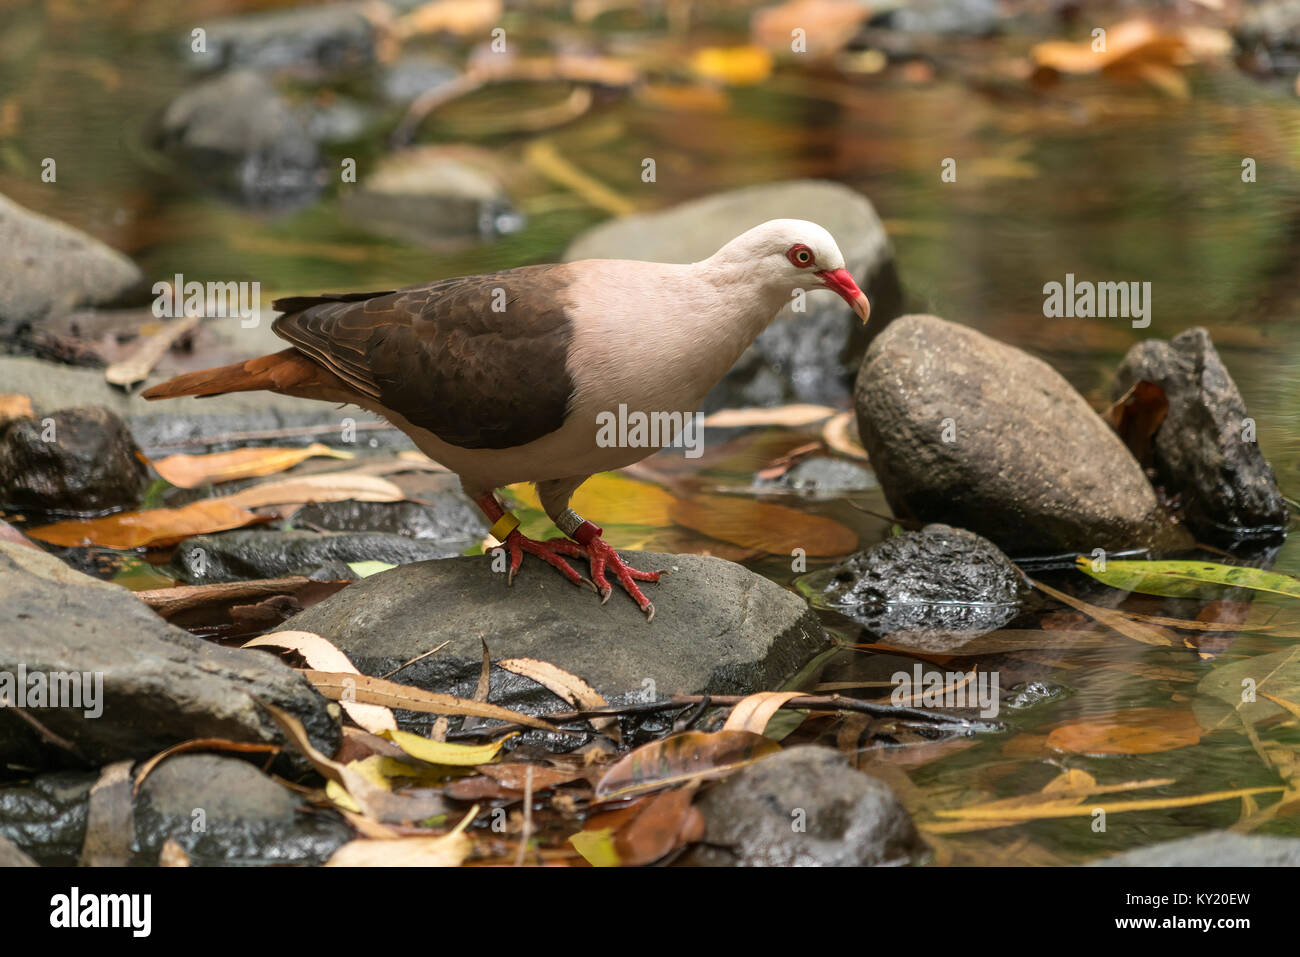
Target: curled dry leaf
{"type": "Point", "coordinates": [753, 713]}
{"type": "Point", "coordinates": [689, 756]}
{"type": "Point", "coordinates": [330, 487]}
{"type": "Point", "coordinates": [190, 471]}
{"type": "Point", "coordinates": [787, 415]}
{"type": "Point", "coordinates": [567, 686]}
{"type": "Point", "coordinates": [841, 435]}
{"type": "Point", "coordinates": [447, 850]}
{"type": "Point", "coordinates": [444, 753]}
{"type": "Point", "coordinates": [321, 655]}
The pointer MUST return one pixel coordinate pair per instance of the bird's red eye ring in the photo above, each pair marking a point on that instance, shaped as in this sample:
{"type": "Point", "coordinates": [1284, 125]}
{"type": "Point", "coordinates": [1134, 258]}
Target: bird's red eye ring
{"type": "Point", "coordinates": [800, 256]}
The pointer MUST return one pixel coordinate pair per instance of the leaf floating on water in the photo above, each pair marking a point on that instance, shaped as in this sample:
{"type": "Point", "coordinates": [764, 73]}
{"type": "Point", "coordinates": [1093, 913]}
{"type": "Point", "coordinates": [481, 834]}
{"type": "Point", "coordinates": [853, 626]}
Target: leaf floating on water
{"type": "Point", "coordinates": [1132, 731]}
{"type": "Point", "coordinates": [1147, 634]}
{"type": "Point", "coordinates": [763, 527]}
{"type": "Point", "coordinates": [1249, 691]}
{"type": "Point", "coordinates": [1184, 579]}
{"type": "Point", "coordinates": [692, 755]}
{"type": "Point", "coordinates": [190, 471]}
{"type": "Point", "coordinates": [152, 527]}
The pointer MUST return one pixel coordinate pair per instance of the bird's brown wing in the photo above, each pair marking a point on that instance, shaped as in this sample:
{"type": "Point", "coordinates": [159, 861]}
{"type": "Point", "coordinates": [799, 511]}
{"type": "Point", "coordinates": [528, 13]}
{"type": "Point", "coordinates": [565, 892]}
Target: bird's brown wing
{"type": "Point", "coordinates": [480, 362]}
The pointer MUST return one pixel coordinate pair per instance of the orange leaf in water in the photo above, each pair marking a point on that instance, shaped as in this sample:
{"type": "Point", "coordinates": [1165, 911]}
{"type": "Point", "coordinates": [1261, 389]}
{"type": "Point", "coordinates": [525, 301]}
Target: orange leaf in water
{"type": "Point", "coordinates": [774, 529]}
{"type": "Point", "coordinates": [189, 471]}
{"type": "Point", "coordinates": [1134, 731]}
{"type": "Point", "coordinates": [152, 527]}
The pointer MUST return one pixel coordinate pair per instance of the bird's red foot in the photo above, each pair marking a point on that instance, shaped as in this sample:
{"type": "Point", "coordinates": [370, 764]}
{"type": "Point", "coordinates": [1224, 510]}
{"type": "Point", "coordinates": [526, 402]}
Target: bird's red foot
{"type": "Point", "coordinates": [516, 544]}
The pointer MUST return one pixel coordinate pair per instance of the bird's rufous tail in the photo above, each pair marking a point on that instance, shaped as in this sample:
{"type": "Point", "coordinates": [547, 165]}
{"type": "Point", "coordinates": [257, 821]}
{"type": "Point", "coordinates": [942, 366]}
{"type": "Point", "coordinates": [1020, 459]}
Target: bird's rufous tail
{"type": "Point", "coordinates": [288, 372]}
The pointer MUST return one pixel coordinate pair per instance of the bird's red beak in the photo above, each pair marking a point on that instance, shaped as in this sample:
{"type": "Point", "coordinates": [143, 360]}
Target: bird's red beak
{"type": "Point", "coordinates": [842, 282]}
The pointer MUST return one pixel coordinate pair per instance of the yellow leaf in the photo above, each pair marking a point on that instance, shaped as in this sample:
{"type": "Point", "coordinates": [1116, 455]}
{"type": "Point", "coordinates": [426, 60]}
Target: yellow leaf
{"type": "Point", "coordinates": [597, 847]}
{"type": "Point", "coordinates": [441, 752]}
{"type": "Point", "coordinates": [735, 66]}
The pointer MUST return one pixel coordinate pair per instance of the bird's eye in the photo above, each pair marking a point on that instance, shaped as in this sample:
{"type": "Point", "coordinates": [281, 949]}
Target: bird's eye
{"type": "Point", "coordinates": [800, 255]}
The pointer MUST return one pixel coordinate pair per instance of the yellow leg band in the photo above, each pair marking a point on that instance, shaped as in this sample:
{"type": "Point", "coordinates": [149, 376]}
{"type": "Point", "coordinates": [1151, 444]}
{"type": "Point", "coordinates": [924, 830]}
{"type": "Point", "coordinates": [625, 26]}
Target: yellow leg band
{"type": "Point", "coordinates": [503, 526]}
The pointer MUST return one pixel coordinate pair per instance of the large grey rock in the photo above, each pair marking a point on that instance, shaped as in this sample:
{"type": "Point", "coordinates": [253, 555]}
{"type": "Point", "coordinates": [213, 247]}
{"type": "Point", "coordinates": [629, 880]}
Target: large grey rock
{"type": "Point", "coordinates": [1215, 849]}
{"type": "Point", "coordinates": [311, 41]}
{"type": "Point", "coordinates": [849, 819]}
{"type": "Point", "coordinates": [1201, 452]}
{"type": "Point", "coordinates": [161, 685]}
{"type": "Point", "coordinates": [717, 628]}
{"type": "Point", "coordinates": [975, 433]}
{"type": "Point", "coordinates": [236, 134]}
{"type": "Point", "coordinates": [75, 460]}
{"type": "Point", "coordinates": [48, 268]}
{"type": "Point", "coordinates": [931, 589]}
{"type": "Point", "coordinates": [256, 553]}
{"type": "Point", "coordinates": [804, 357]}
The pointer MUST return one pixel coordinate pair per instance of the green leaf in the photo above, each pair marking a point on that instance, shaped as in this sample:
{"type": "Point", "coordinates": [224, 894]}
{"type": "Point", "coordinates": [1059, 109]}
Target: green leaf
{"type": "Point", "coordinates": [1182, 579]}
{"type": "Point", "coordinates": [366, 569]}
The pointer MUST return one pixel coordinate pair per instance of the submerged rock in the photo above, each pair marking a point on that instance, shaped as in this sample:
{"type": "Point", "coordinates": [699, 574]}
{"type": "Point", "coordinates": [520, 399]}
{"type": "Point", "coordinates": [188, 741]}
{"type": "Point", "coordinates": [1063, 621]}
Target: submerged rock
{"type": "Point", "coordinates": [718, 628]}
{"type": "Point", "coordinates": [434, 194]}
{"type": "Point", "coordinates": [963, 429]}
{"type": "Point", "coordinates": [825, 475]}
{"type": "Point", "coordinates": [76, 460]}
{"type": "Point", "coordinates": [1215, 849]}
{"type": "Point", "coordinates": [800, 357]}
{"type": "Point", "coordinates": [1204, 450]}
{"type": "Point", "coordinates": [850, 819]}
{"type": "Point", "coordinates": [312, 41]}
{"type": "Point", "coordinates": [236, 134]}
{"type": "Point", "coordinates": [48, 268]}
{"type": "Point", "coordinates": [934, 588]}
{"type": "Point", "coordinates": [256, 553]}
{"type": "Point", "coordinates": [160, 685]}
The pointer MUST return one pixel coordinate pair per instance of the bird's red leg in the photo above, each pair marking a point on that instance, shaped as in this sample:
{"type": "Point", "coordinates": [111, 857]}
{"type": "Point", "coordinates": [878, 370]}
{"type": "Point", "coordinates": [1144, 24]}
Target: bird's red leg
{"type": "Point", "coordinates": [516, 543]}
{"type": "Point", "coordinates": [601, 555]}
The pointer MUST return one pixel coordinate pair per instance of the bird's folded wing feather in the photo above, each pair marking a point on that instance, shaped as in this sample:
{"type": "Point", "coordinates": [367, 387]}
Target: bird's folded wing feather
{"type": "Point", "coordinates": [481, 361]}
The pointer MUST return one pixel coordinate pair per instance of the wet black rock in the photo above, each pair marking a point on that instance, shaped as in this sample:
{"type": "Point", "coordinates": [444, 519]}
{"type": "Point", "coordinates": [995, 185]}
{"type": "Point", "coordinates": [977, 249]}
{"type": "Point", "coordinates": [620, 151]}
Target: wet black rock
{"type": "Point", "coordinates": [969, 431]}
{"type": "Point", "coordinates": [48, 269]}
{"type": "Point", "coordinates": [1205, 450]}
{"type": "Point", "coordinates": [45, 817]}
{"type": "Point", "coordinates": [256, 553]}
{"type": "Point", "coordinates": [1268, 37]}
{"type": "Point", "coordinates": [160, 685]}
{"type": "Point", "coordinates": [849, 819]}
{"type": "Point", "coordinates": [450, 518]}
{"type": "Point", "coordinates": [933, 588]}
{"type": "Point", "coordinates": [718, 628]}
{"type": "Point", "coordinates": [1215, 849]}
{"type": "Point", "coordinates": [220, 810]}
{"type": "Point", "coordinates": [801, 357]}
{"type": "Point", "coordinates": [823, 474]}
{"type": "Point", "coordinates": [75, 460]}
{"type": "Point", "coordinates": [236, 134]}
{"type": "Point", "coordinates": [311, 42]}
{"type": "Point", "coordinates": [247, 818]}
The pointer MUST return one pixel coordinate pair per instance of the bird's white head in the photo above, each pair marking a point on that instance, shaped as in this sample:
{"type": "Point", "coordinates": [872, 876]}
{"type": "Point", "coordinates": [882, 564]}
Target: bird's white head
{"type": "Point", "coordinates": [794, 254]}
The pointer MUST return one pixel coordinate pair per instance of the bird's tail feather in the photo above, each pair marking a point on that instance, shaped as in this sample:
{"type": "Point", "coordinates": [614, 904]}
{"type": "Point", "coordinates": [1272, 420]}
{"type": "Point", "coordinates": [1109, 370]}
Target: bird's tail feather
{"type": "Point", "coordinates": [286, 372]}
